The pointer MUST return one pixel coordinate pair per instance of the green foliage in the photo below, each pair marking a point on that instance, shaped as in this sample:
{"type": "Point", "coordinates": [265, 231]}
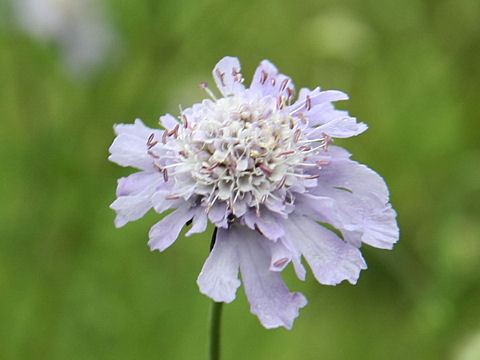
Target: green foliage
{"type": "Point", "coordinates": [74, 287]}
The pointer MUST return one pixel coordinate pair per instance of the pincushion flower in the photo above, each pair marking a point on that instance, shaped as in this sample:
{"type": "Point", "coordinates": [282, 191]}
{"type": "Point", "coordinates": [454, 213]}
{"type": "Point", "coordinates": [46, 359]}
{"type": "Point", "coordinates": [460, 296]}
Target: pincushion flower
{"type": "Point", "coordinates": [260, 166]}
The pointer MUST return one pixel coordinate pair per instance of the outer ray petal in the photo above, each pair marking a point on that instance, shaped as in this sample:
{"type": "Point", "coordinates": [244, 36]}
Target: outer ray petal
{"type": "Point", "coordinates": [129, 147]}
{"type": "Point", "coordinates": [219, 276]}
{"type": "Point", "coordinates": [268, 295]}
{"type": "Point", "coordinates": [331, 259]}
{"type": "Point", "coordinates": [166, 231]}
{"type": "Point", "coordinates": [269, 82]}
{"type": "Point", "coordinates": [228, 77]}
{"type": "Point", "coordinates": [134, 196]}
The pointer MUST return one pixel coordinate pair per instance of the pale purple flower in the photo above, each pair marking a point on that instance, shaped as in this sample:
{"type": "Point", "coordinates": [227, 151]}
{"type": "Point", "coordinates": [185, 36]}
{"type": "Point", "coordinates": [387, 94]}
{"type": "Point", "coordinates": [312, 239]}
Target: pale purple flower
{"type": "Point", "coordinates": [260, 166]}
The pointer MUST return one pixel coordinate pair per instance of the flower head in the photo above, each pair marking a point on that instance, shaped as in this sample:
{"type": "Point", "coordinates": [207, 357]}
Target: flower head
{"type": "Point", "coordinates": [260, 166]}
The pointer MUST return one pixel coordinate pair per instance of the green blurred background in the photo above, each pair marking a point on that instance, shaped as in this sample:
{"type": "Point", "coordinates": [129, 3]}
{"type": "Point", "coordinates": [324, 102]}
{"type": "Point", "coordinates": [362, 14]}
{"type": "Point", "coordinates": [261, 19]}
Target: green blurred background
{"type": "Point", "coordinates": [74, 287]}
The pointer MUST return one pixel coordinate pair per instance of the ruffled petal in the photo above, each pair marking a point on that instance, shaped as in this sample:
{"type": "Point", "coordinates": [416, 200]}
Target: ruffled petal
{"type": "Point", "coordinates": [166, 231]}
{"type": "Point", "coordinates": [268, 295]}
{"type": "Point", "coordinates": [268, 81]}
{"type": "Point", "coordinates": [130, 146]}
{"type": "Point", "coordinates": [330, 258]}
{"type": "Point", "coordinates": [134, 196]}
{"type": "Point", "coordinates": [354, 199]}
{"type": "Point", "coordinates": [219, 276]}
{"type": "Point", "coordinates": [227, 76]}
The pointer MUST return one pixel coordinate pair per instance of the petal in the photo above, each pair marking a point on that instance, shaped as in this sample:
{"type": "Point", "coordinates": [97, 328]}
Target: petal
{"type": "Point", "coordinates": [130, 146]}
{"type": "Point", "coordinates": [166, 231]}
{"type": "Point", "coordinates": [199, 222]}
{"type": "Point", "coordinates": [268, 81]}
{"type": "Point", "coordinates": [266, 224]}
{"type": "Point", "coordinates": [134, 196]}
{"type": "Point", "coordinates": [162, 202]}
{"type": "Point", "coordinates": [268, 295]}
{"type": "Point", "coordinates": [330, 258]}
{"type": "Point", "coordinates": [219, 276]}
{"type": "Point", "coordinates": [342, 172]}
{"type": "Point", "coordinates": [308, 100]}
{"type": "Point", "coordinates": [218, 214]}
{"type": "Point", "coordinates": [228, 77]}
{"type": "Point", "coordinates": [296, 257]}
{"type": "Point", "coordinates": [340, 128]}
{"type": "Point", "coordinates": [280, 256]}
{"type": "Point", "coordinates": [168, 121]}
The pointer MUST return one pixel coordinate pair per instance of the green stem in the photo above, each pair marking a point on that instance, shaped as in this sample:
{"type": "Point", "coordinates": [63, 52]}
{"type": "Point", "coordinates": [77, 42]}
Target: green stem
{"type": "Point", "coordinates": [215, 322]}
{"type": "Point", "coordinates": [215, 319]}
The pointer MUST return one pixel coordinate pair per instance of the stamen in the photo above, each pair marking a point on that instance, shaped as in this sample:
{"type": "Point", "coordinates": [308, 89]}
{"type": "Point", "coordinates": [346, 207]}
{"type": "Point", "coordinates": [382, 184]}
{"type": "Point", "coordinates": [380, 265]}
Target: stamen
{"type": "Point", "coordinates": [281, 183]}
{"type": "Point", "coordinates": [296, 135]}
{"type": "Point", "coordinates": [281, 262]}
{"type": "Point", "coordinates": [308, 103]}
{"type": "Point", "coordinates": [265, 169]}
{"type": "Point", "coordinates": [204, 85]}
{"type": "Point", "coordinates": [302, 117]}
{"type": "Point", "coordinates": [264, 77]}
{"type": "Point", "coordinates": [172, 197]}
{"type": "Point", "coordinates": [289, 152]}
{"type": "Point", "coordinates": [221, 76]}
{"type": "Point", "coordinates": [152, 154]}
{"type": "Point", "coordinates": [284, 84]}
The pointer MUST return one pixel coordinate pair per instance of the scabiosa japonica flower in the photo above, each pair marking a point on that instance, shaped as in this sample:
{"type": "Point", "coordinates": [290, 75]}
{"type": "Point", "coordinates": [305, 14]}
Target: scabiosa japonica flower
{"type": "Point", "coordinates": [260, 166]}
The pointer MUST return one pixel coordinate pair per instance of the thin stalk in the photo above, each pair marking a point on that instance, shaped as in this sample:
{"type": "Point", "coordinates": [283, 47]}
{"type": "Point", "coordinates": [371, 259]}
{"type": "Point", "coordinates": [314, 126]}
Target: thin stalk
{"type": "Point", "coordinates": [215, 324]}
{"type": "Point", "coordinates": [215, 320]}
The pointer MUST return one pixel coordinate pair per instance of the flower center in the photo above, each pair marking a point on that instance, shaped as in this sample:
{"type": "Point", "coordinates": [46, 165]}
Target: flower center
{"type": "Point", "coordinates": [241, 151]}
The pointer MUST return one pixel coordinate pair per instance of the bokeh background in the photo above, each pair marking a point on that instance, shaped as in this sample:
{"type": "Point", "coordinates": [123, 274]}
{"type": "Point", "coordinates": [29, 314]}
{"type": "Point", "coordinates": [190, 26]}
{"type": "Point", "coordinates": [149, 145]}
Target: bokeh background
{"type": "Point", "coordinates": [74, 287]}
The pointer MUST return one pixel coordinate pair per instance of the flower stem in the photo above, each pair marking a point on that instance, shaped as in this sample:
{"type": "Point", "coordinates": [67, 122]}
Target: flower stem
{"type": "Point", "coordinates": [215, 321]}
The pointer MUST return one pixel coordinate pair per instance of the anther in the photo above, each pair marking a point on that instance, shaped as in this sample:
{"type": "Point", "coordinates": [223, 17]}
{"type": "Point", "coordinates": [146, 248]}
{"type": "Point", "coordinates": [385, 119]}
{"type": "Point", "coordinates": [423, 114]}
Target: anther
{"type": "Point", "coordinates": [174, 131]}
{"type": "Point", "coordinates": [165, 175]}
{"type": "Point", "coordinates": [296, 135]}
{"type": "Point", "coordinates": [289, 152]}
{"type": "Point", "coordinates": [312, 177]}
{"type": "Point", "coordinates": [284, 84]}
{"type": "Point", "coordinates": [291, 94]}
{"type": "Point", "coordinates": [280, 101]}
{"type": "Point", "coordinates": [150, 142]}
{"type": "Point", "coordinates": [152, 154]}
{"type": "Point", "coordinates": [302, 117]}
{"type": "Point", "coordinates": [281, 262]}
{"type": "Point", "coordinates": [264, 77]}
{"type": "Point", "coordinates": [265, 169]}
{"type": "Point", "coordinates": [221, 76]}
{"type": "Point", "coordinates": [273, 81]}
{"type": "Point", "coordinates": [308, 103]}
{"type": "Point", "coordinates": [204, 85]}
{"type": "Point", "coordinates": [322, 163]}
{"type": "Point", "coordinates": [164, 137]}
{"type": "Point", "coordinates": [159, 168]}
{"type": "Point", "coordinates": [281, 183]}
{"type": "Point", "coordinates": [172, 197]}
